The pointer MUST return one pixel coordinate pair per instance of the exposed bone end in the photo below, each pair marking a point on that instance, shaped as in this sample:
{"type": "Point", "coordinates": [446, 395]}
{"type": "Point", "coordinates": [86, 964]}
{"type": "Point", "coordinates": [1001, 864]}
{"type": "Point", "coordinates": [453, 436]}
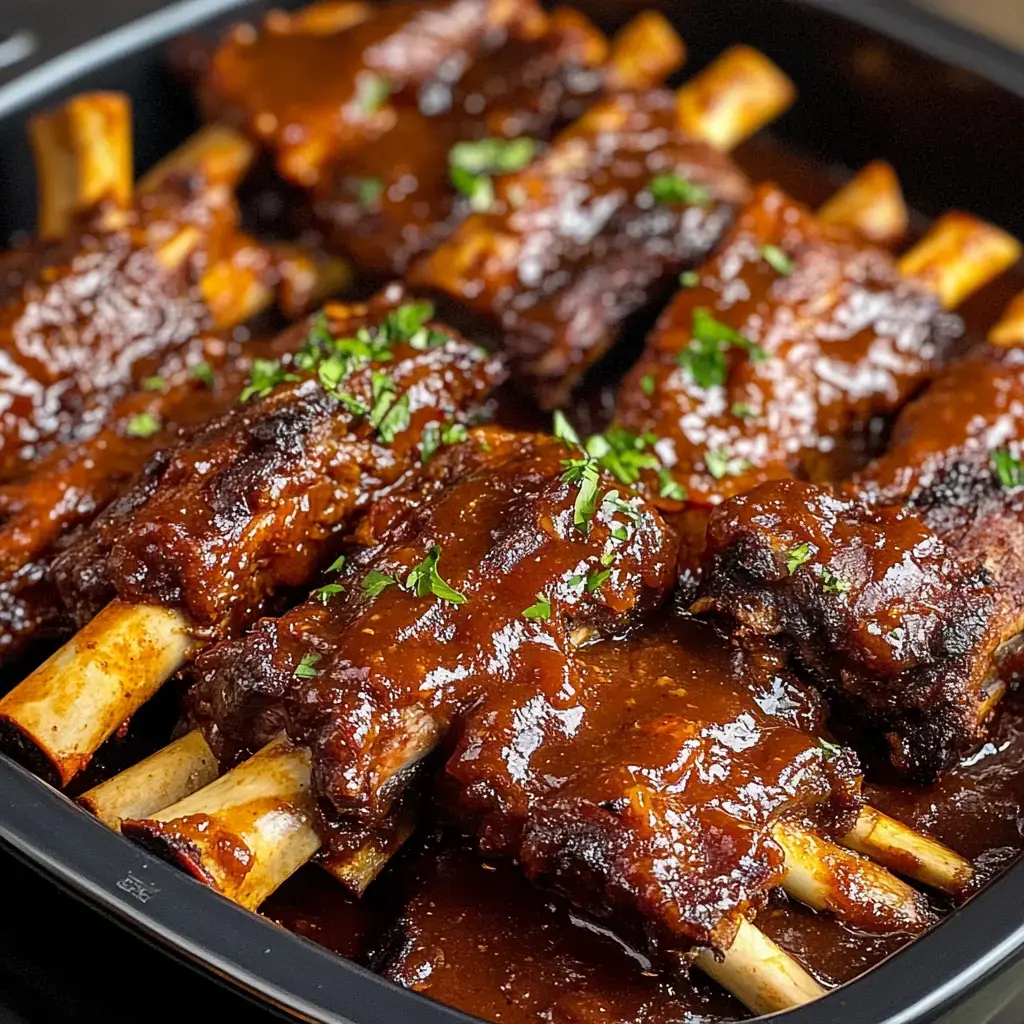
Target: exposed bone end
{"type": "Point", "coordinates": [734, 98]}
{"type": "Point", "coordinates": [245, 833]}
{"type": "Point", "coordinates": [83, 157]}
{"type": "Point", "coordinates": [239, 286]}
{"type": "Point", "coordinates": [872, 204]}
{"type": "Point", "coordinates": [909, 853]}
{"type": "Point", "coordinates": [162, 779]}
{"type": "Point", "coordinates": [1009, 332]}
{"type": "Point", "coordinates": [58, 716]}
{"type": "Point", "coordinates": [859, 892]}
{"type": "Point", "coordinates": [219, 156]}
{"type": "Point", "coordinates": [357, 869]}
{"type": "Point", "coordinates": [764, 977]}
{"type": "Point", "coordinates": [583, 42]}
{"type": "Point", "coordinates": [644, 52]}
{"type": "Point", "coordinates": [960, 255]}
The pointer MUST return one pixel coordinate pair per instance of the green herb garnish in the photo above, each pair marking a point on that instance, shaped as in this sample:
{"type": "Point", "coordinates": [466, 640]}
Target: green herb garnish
{"type": "Point", "coordinates": [327, 591]}
{"type": "Point", "coordinates": [541, 610]}
{"type": "Point", "coordinates": [203, 373]}
{"type": "Point", "coordinates": [669, 487]}
{"type": "Point", "coordinates": [831, 749]}
{"type": "Point", "coordinates": [305, 669]}
{"type": "Point", "coordinates": [623, 453]}
{"type": "Point", "coordinates": [372, 92]}
{"type": "Point", "coordinates": [564, 430]}
{"type": "Point", "coordinates": [689, 278]}
{"type": "Point", "coordinates": [596, 579]}
{"type": "Point", "coordinates": [704, 358]}
{"type": "Point", "coordinates": [154, 384]}
{"type": "Point", "coordinates": [471, 165]}
{"type": "Point", "coordinates": [797, 556]}
{"type": "Point", "coordinates": [741, 410]}
{"type": "Point", "coordinates": [368, 191]}
{"type": "Point", "coordinates": [831, 583]}
{"type": "Point", "coordinates": [1010, 470]}
{"type": "Point", "coordinates": [376, 582]}
{"type": "Point", "coordinates": [647, 384]}
{"type": "Point", "coordinates": [425, 580]}
{"type": "Point", "coordinates": [265, 375]}
{"type": "Point", "coordinates": [143, 424]}
{"type": "Point", "coordinates": [777, 259]}
{"type": "Point", "coordinates": [337, 565]}
{"type": "Point", "coordinates": [720, 464]}
{"type": "Point", "coordinates": [677, 190]}
{"type": "Point", "coordinates": [586, 473]}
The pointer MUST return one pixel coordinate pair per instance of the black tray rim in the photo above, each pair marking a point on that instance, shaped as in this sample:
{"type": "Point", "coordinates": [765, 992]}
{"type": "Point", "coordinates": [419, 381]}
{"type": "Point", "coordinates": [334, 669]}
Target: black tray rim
{"type": "Point", "coordinates": [264, 961]}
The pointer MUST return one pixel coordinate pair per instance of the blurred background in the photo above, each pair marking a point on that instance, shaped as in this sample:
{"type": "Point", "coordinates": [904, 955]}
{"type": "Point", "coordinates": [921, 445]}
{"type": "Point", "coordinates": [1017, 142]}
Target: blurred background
{"type": "Point", "coordinates": [1003, 19]}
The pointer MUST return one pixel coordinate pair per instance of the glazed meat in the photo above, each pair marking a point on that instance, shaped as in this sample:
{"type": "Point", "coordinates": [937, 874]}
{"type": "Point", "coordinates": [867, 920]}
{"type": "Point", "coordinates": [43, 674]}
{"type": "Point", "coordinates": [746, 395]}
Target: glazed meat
{"type": "Point", "coordinates": [395, 199]}
{"type": "Point", "coordinates": [79, 315]}
{"type": "Point", "coordinates": [593, 230]}
{"type": "Point", "coordinates": [251, 502]}
{"type": "Point", "coordinates": [319, 84]}
{"type": "Point", "coordinates": [486, 571]}
{"type": "Point", "coordinates": [646, 790]}
{"type": "Point", "coordinates": [65, 492]}
{"type": "Point", "coordinates": [793, 338]}
{"type": "Point", "coordinates": [884, 613]}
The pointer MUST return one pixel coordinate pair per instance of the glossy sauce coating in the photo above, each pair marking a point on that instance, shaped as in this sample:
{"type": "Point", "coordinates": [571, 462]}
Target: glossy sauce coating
{"type": "Point", "coordinates": [644, 787]}
{"type": "Point", "coordinates": [314, 92]}
{"type": "Point", "coordinates": [841, 339]}
{"type": "Point", "coordinates": [577, 242]}
{"type": "Point", "coordinates": [250, 503]}
{"type": "Point", "coordinates": [391, 201]}
{"type": "Point", "coordinates": [389, 672]}
{"type": "Point", "coordinates": [885, 615]}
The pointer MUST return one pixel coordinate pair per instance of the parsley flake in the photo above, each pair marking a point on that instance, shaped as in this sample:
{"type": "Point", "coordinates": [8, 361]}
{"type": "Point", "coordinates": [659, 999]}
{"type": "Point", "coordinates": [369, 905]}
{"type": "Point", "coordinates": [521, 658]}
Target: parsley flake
{"type": "Point", "coordinates": [143, 424]}
{"type": "Point", "coordinates": [704, 358]}
{"type": "Point", "coordinates": [831, 749]}
{"type": "Point", "coordinates": [833, 584]}
{"type": "Point", "coordinates": [541, 610]}
{"type": "Point", "coordinates": [741, 410]}
{"type": "Point", "coordinates": [203, 373]}
{"type": "Point", "coordinates": [647, 384]}
{"type": "Point", "coordinates": [596, 579]}
{"type": "Point", "coordinates": [564, 430]}
{"type": "Point", "coordinates": [669, 487]}
{"type": "Point", "coordinates": [327, 591]}
{"type": "Point", "coordinates": [676, 190]}
{"type": "Point", "coordinates": [376, 582]}
{"type": "Point", "coordinates": [154, 384]}
{"type": "Point", "coordinates": [437, 434]}
{"type": "Point", "coordinates": [623, 453]}
{"type": "Point", "coordinates": [372, 92]}
{"type": "Point", "coordinates": [367, 190]}
{"type": "Point", "coordinates": [797, 556]}
{"type": "Point", "coordinates": [586, 473]}
{"type": "Point", "coordinates": [1010, 470]}
{"type": "Point", "coordinates": [264, 376]}
{"type": "Point", "coordinates": [337, 565]}
{"type": "Point", "coordinates": [689, 278]}
{"type": "Point", "coordinates": [425, 580]}
{"type": "Point", "coordinates": [471, 165]}
{"type": "Point", "coordinates": [720, 464]}
{"type": "Point", "coordinates": [305, 668]}
{"type": "Point", "coordinates": [777, 259]}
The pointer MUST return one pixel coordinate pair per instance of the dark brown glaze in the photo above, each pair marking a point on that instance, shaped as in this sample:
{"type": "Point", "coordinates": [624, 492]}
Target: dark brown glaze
{"type": "Point", "coordinates": [576, 242]}
{"type": "Point", "coordinates": [387, 676]}
{"type": "Point", "coordinates": [40, 512]}
{"type": "Point", "coordinates": [78, 315]}
{"type": "Point", "coordinates": [252, 501]}
{"type": "Point", "coordinates": [843, 339]}
{"type": "Point", "coordinates": [314, 90]}
{"type": "Point", "coordinates": [537, 80]}
{"type": "Point", "coordinates": [476, 936]}
{"type": "Point", "coordinates": [645, 791]}
{"type": "Point", "coordinates": [885, 615]}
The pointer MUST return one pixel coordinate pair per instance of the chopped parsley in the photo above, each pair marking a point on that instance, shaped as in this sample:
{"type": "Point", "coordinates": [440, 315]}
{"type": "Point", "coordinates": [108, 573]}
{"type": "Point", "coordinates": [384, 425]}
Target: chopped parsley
{"type": "Point", "coordinates": [143, 424]}
{"type": "Point", "coordinates": [689, 278]}
{"type": "Point", "coordinates": [327, 591]}
{"type": "Point", "coordinates": [472, 164]}
{"type": "Point", "coordinates": [154, 384]}
{"type": "Point", "coordinates": [264, 376]}
{"type": "Point", "coordinates": [564, 430]}
{"type": "Point", "coordinates": [741, 410]}
{"type": "Point", "coordinates": [831, 583]}
{"type": "Point", "coordinates": [596, 579]}
{"type": "Point", "coordinates": [367, 190]}
{"type": "Point", "coordinates": [541, 610]}
{"type": "Point", "coordinates": [704, 358]}
{"type": "Point", "coordinates": [623, 453]}
{"type": "Point", "coordinates": [676, 190]}
{"type": "Point", "coordinates": [586, 473]}
{"type": "Point", "coordinates": [669, 487]}
{"type": "Point", "coordinates": [203, 373]}
{"type": "Point", "coordinates": [437, 434]}
{"type": "Point", "coordinates": [389, 415]}
{"type": "Point", "coordinates": [425, 580]}
{"type": "Point", "coordinates": [831, 749]}
{"type": "Point", "coordinates": [372, 92]}
{"type": "Point", "coordinates": [777, 259]}
{"type": "Point", "coordinates": [720, 464]}
{"type": "Point", "coordinates": [647, 384]}
{"type": "Point", "coordinates": [1010, 470]}
{"type": "Point", "coordinates": [405, 322]}
{"type": "Point", "coordinates": [306, 667]}
{"type": "Point", "coordinates": [376, 582]}
{"type": "Point", "coordinates": [337, 565]}
{"type": "Point", "coordinates": [797, 556]}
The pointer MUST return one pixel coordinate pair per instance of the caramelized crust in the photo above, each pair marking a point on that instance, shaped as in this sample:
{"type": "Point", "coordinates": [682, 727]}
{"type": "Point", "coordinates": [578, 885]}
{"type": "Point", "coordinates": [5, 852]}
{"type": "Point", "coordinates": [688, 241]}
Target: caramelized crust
{"type": "Point", "coordinates": [577, 242]}
{"type": "Point", "coordinates": [251, 502]}
{"type": "Point", "coordinates": [646, 789]}
{"type": "Point", "coordinates": [392, 672]}
{"type": "Point", "coordinates": [841, 338]}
